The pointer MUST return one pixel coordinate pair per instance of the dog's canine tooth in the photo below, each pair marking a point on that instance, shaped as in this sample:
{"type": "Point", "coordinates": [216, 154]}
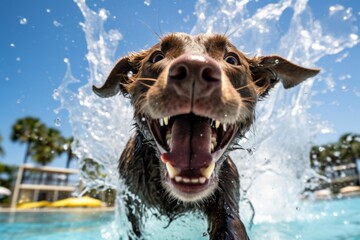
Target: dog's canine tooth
{"type": "Point", "coordinates": [212, 147]}
{"type": "Point", "coordinates": [224, 127]}
{"type": "Point", "coordinates": [166, 120]}
{"type": "Point", "coordinates": [217, 124]}
{"type": "Point", "coordinates": [206, 172]}
{"type": "Point", "coordinates": [173, 171]}
{"type": "Point", "coordinates": [161, 121]}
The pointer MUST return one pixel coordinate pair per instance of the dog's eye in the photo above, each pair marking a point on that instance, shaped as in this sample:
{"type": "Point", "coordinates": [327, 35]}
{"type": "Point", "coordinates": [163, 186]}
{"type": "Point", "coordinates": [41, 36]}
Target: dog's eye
{"type": "Point", "coordinates": [231, 59]}
{"type": "Point", "coordinates": [157, 57]}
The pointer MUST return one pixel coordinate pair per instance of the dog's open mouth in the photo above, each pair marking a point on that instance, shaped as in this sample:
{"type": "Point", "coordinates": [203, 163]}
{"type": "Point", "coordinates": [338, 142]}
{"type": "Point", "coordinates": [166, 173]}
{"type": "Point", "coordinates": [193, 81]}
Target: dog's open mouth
{"type": "Point", "coordinates": [190, 146]}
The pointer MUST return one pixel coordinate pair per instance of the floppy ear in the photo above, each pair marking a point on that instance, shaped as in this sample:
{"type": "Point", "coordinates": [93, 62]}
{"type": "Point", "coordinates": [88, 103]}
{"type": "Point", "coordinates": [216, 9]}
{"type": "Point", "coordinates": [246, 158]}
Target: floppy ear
{"type": "Point", "coordinates": [269, 70]}
{"type": "Point", "coordinates": [117, 80]}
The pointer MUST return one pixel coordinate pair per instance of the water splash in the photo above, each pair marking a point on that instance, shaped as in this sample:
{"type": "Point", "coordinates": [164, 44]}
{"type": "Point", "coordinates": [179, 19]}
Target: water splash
{"type": "Point", "coordinates": [284, 128]}
{"type": "Point", "coordinates": [274, 175]}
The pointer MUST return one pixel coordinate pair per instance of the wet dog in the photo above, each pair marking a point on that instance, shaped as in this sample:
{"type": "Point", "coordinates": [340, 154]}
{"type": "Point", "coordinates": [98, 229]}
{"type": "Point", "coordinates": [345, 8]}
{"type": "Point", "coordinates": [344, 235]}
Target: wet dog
{"type": "Point", "coordinates": [194, 98]}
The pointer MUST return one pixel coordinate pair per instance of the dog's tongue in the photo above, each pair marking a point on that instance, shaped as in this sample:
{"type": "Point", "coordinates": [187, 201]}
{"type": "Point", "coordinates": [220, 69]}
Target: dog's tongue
{"type": "Point", "coordinates": [190, 146]}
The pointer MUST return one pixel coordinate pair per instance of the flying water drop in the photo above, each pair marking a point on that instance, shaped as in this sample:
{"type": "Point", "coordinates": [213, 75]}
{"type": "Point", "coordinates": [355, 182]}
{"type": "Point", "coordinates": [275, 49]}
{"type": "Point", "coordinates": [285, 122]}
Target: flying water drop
{"type": "Point", "coordinates": [57, 122]}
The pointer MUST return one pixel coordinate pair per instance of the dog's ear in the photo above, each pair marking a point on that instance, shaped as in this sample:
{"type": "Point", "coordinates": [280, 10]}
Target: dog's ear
{"type": "Point", "coordinates": [269, 70]}
{"type": "Point", "coordinates": [118, 78]}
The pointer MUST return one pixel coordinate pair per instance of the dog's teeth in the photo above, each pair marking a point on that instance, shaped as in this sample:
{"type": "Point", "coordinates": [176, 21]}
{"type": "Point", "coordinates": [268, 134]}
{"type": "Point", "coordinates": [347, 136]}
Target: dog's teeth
{"type": "Point", "coordinates": [173, 171]}
{"type": "Point", "coordinates": [186, 180]}
{"type": "Point", "coordinates": [194, 180]}
{"type": "Point", "coordinates": [206, 172]}
{"type": "Point", "coordinates": [224, 127]}
{"type": "Point", "coordinates": [178, 179]}
{"type": "Point", "coordinates": [217, 124]}
{"type": "Point", "coordinates": [166, 120]}
{"type": "Point", "coordinates": [212, 147]}
{"type": "Point", "coordinates": [168, 138]}
{"type": "Point", "coordinates": [161, 121]}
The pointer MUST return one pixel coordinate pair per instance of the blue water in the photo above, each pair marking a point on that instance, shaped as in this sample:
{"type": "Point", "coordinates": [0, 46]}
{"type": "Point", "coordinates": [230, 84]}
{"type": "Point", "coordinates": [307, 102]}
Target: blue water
{"type": "Point", "coordinates": [326, 220]}
{"type": "Point", "coordinates": [54, 226]}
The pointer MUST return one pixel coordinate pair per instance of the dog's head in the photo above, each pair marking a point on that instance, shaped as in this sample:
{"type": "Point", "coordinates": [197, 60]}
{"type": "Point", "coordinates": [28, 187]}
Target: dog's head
{"type": "Point", "coordinates": [193, 97]}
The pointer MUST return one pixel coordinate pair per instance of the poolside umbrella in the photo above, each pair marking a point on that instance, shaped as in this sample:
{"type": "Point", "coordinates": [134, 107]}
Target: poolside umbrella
{"type": "Point", "coordinates": [5, 191]}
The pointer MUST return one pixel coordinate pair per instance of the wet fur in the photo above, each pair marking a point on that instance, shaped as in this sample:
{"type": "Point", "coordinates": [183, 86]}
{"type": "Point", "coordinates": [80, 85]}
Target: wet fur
{"type": "Point", "coordinates": [140, 164]}
{"type": "Point", "coordinates": [221, 209]}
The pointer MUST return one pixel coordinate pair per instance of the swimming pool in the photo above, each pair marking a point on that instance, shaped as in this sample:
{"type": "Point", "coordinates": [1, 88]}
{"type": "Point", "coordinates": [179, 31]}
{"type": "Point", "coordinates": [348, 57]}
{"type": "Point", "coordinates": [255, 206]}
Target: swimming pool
{"type": "Point", "coordinates": [337, 219]}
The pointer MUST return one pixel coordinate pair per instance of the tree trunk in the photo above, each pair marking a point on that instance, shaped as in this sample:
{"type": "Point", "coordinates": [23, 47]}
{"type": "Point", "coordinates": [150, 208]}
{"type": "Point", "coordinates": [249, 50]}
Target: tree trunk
{"type": "Point", "coordinates": [27, 153]}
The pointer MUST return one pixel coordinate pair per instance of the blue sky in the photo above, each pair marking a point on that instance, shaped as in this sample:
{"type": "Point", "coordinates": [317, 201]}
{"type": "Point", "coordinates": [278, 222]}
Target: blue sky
{"type": "Point", "coordinates": [36, 37]}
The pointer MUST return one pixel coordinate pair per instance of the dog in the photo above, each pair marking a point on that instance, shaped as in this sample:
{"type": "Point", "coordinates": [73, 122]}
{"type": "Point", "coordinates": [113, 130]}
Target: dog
{"type": "Point", "coordinates": [194, 97]}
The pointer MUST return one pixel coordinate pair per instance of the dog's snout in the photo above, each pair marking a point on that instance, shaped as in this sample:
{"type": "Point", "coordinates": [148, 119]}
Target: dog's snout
{"type": "Point", "coordinates": [194, 74]}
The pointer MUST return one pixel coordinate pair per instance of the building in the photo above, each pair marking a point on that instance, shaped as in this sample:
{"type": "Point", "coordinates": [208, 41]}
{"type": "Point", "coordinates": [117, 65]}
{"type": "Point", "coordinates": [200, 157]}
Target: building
{"type": "Point", "coordinates": [44, 183]}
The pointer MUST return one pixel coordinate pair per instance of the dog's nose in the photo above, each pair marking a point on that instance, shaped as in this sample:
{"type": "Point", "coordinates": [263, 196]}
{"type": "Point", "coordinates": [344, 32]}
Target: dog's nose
{"type": "Point", "coordinates": [194, 76]}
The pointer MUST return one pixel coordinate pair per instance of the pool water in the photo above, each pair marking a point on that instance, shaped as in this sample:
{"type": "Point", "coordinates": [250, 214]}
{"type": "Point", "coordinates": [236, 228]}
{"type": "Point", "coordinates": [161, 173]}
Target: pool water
{"type": "Point", "coordinates": [54, 225]}
{"type": "Point", "coordinates": [325, 220]}
{"type": "Point", "coordinates": [335, 220]}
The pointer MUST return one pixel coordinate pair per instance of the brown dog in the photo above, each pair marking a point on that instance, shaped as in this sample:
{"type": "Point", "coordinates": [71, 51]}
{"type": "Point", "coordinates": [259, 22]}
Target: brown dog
{"type": "Point", "coordinates": [194, 98]}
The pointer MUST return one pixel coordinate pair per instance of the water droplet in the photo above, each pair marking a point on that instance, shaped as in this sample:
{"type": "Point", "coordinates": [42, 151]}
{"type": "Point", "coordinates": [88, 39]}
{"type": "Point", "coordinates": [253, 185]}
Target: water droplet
{"type": "Point", "coordinates": [12, 45]}
{"type": "Point", "coordinates": [297, 208]}
{"type": "Point", "coordinates": [205, 234]}
{"type": "Point", "coordinates": [298, 236]}
{"type": "Point", "coordinates": [23, 21]}
{"type": "Point", "coordinates": [66, 60]}
{"type": "Point", "coordinates": [7, 79]}
{"type": "Point", "coordinates": [103, 14]}
{"type": "Point", "coordinates": [57, 122]}
{"type": "Point", "coordinates": [57, 24]}
{"type": "Point", "coordinates": [130, 74]}
{"type": "Point", "coordinates": [276, 61]}
{"type": "Point", "coordinates": [251, 151]}
{"type": "Point", "coordinates": [143, 119]}
{"type": "Point", "coordinates": [56, 94]}
{"type": "Point", "coordinates": [147, 2]}
{"type": "Point", "coordinates": [48, 10]}
{"type": "Point", "coordinates": [18, 59]}
{"type": "Point", "coordinates": [180, 11]}
{"type": "Point", "coordinates": [18, 101]}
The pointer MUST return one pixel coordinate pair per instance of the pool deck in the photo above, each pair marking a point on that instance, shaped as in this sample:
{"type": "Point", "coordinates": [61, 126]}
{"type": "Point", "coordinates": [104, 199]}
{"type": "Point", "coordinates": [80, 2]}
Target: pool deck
{"type": "Point", "coordinates": [51, 210]}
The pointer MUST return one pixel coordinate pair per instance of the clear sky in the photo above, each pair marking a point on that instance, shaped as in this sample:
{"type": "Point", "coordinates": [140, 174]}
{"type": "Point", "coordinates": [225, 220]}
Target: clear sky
{"type": "Point", "coordinates": [36, 37]}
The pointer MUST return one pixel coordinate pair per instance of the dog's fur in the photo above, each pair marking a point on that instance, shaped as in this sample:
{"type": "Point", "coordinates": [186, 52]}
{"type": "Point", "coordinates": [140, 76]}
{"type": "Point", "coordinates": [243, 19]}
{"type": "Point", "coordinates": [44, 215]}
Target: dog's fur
{"type": "Point", "coordinates": [209, 90]}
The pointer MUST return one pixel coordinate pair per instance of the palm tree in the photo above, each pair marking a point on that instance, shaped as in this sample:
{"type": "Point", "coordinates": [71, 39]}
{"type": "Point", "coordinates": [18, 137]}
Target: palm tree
{"type": "Point", "coordinates": [350, 145]}
{"type": "Point", "coordinates": [2, 152]}
{"type": "Point", "coordinates": [48, 147]}
{"type": "Point", "coordinates": [68, 151]}
{"type": "Point", "coordinates": [28, 130]}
